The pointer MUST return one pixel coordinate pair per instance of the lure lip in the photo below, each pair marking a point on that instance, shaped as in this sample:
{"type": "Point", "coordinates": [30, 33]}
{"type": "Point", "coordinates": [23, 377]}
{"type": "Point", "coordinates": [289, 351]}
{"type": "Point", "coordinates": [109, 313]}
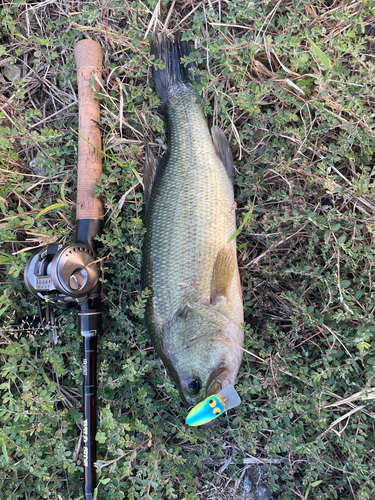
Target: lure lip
{"type": "Point", "coordinates": [230, 397]}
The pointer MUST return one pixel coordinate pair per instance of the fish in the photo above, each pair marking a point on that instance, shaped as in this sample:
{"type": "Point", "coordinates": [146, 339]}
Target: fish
{"type": "Point", "coordinates": [195, 308]}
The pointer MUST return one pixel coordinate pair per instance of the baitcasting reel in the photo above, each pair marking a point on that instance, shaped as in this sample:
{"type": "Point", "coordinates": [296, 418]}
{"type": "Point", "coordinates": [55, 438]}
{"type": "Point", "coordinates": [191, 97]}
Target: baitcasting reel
{"type": "Point", "coordinates": [60, 278]}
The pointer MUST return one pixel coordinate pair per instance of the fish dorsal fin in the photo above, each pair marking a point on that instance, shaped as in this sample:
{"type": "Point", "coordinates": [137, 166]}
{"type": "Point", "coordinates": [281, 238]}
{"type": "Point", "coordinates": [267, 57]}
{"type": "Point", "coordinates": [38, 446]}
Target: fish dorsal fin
{"type": "Point", "coordinates": [224, 268]}
{"type": "Point", "coordinates": [223, 151]}
{"type": "Point", "coordinates": [149, 174]}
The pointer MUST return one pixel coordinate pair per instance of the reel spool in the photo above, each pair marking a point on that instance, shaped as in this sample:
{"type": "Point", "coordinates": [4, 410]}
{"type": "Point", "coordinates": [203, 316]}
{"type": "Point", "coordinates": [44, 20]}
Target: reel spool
{"type": "Point", "coordinates": [60, 277]}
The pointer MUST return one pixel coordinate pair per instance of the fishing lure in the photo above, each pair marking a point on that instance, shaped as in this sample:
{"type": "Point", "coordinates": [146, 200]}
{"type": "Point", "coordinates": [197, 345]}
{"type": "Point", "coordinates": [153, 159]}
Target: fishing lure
{"type": "Point", "coordinates": [213, 406]}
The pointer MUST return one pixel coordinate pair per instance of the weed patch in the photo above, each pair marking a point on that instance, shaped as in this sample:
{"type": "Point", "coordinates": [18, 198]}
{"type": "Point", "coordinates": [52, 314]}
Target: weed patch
{"type": "Point", "coordinates": [292, 85]}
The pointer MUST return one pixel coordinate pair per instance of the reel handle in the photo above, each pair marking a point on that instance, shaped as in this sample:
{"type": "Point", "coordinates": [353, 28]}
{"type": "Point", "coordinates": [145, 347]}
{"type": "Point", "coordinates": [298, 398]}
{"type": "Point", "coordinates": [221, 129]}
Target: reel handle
{"type": "Point", "coordinates": [88, 55]}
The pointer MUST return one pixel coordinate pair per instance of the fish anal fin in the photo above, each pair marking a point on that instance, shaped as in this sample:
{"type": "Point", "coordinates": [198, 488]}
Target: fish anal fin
{"type": "Point", "coordinates": [223, 271]}
{"type": "Point", "coordinates": [222, 149]}
{"type": "Point", "coordinates": [149, 174]}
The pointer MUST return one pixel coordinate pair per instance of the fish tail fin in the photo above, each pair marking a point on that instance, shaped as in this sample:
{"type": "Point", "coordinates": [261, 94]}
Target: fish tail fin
{"type": "Point", "coordinates": [175, 73]}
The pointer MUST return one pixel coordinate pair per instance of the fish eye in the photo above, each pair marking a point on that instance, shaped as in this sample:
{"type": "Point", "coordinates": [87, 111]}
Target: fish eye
{"type": "Point", "coordinates": [212, 403]}
{"type": "Point", "coordinates": [193, 386]}
{"type": "Point", "coordinates": [216, 411]}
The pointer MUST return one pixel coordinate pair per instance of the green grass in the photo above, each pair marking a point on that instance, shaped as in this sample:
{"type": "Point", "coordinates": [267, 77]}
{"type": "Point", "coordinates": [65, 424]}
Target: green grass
{"type": "Point", "coordinates": [292, 84]}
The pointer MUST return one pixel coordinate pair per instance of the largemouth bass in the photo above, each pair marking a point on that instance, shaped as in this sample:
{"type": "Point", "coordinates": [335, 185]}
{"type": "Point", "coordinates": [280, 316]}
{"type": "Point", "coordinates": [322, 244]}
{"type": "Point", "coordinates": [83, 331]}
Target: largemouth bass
{"type": "Point", "coordinates": [195, 310]}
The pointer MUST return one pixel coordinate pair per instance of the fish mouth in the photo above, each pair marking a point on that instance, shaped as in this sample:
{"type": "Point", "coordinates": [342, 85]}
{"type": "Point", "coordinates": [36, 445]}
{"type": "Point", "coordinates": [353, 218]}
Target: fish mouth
{"type": "Point", "coordinates": [218, 380]}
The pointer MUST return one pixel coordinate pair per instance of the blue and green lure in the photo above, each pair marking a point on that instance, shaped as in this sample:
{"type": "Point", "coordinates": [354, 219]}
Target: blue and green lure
{"type": "Point", "coordinates": [213, 406]}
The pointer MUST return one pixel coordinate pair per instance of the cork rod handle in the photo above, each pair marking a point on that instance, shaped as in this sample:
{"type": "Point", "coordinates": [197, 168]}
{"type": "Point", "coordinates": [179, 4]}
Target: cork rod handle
{"type": "Point", "coordinates": [88, 55]}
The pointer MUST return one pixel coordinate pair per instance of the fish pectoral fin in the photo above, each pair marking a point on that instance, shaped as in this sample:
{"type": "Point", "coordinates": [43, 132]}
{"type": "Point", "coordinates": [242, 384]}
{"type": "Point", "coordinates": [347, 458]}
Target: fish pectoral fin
{"type": "Point", "coordinates": [151, 165]}
{"type": "Point", "coordinates": [223, 151]}
{"type": "Point", "coordinates": [224, 268]}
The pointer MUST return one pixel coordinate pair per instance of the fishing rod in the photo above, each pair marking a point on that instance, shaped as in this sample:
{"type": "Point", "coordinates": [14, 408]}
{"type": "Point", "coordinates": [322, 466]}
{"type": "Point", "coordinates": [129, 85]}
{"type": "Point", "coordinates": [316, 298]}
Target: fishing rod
{"type": "Point", "coordinates": [62, 277]}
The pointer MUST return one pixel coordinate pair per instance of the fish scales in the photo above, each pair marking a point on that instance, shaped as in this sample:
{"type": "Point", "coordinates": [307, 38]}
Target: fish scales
{"type": "Point", "coordinates": [192, 210]}
{"type": "Point", "coordinates": [190, 219]}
